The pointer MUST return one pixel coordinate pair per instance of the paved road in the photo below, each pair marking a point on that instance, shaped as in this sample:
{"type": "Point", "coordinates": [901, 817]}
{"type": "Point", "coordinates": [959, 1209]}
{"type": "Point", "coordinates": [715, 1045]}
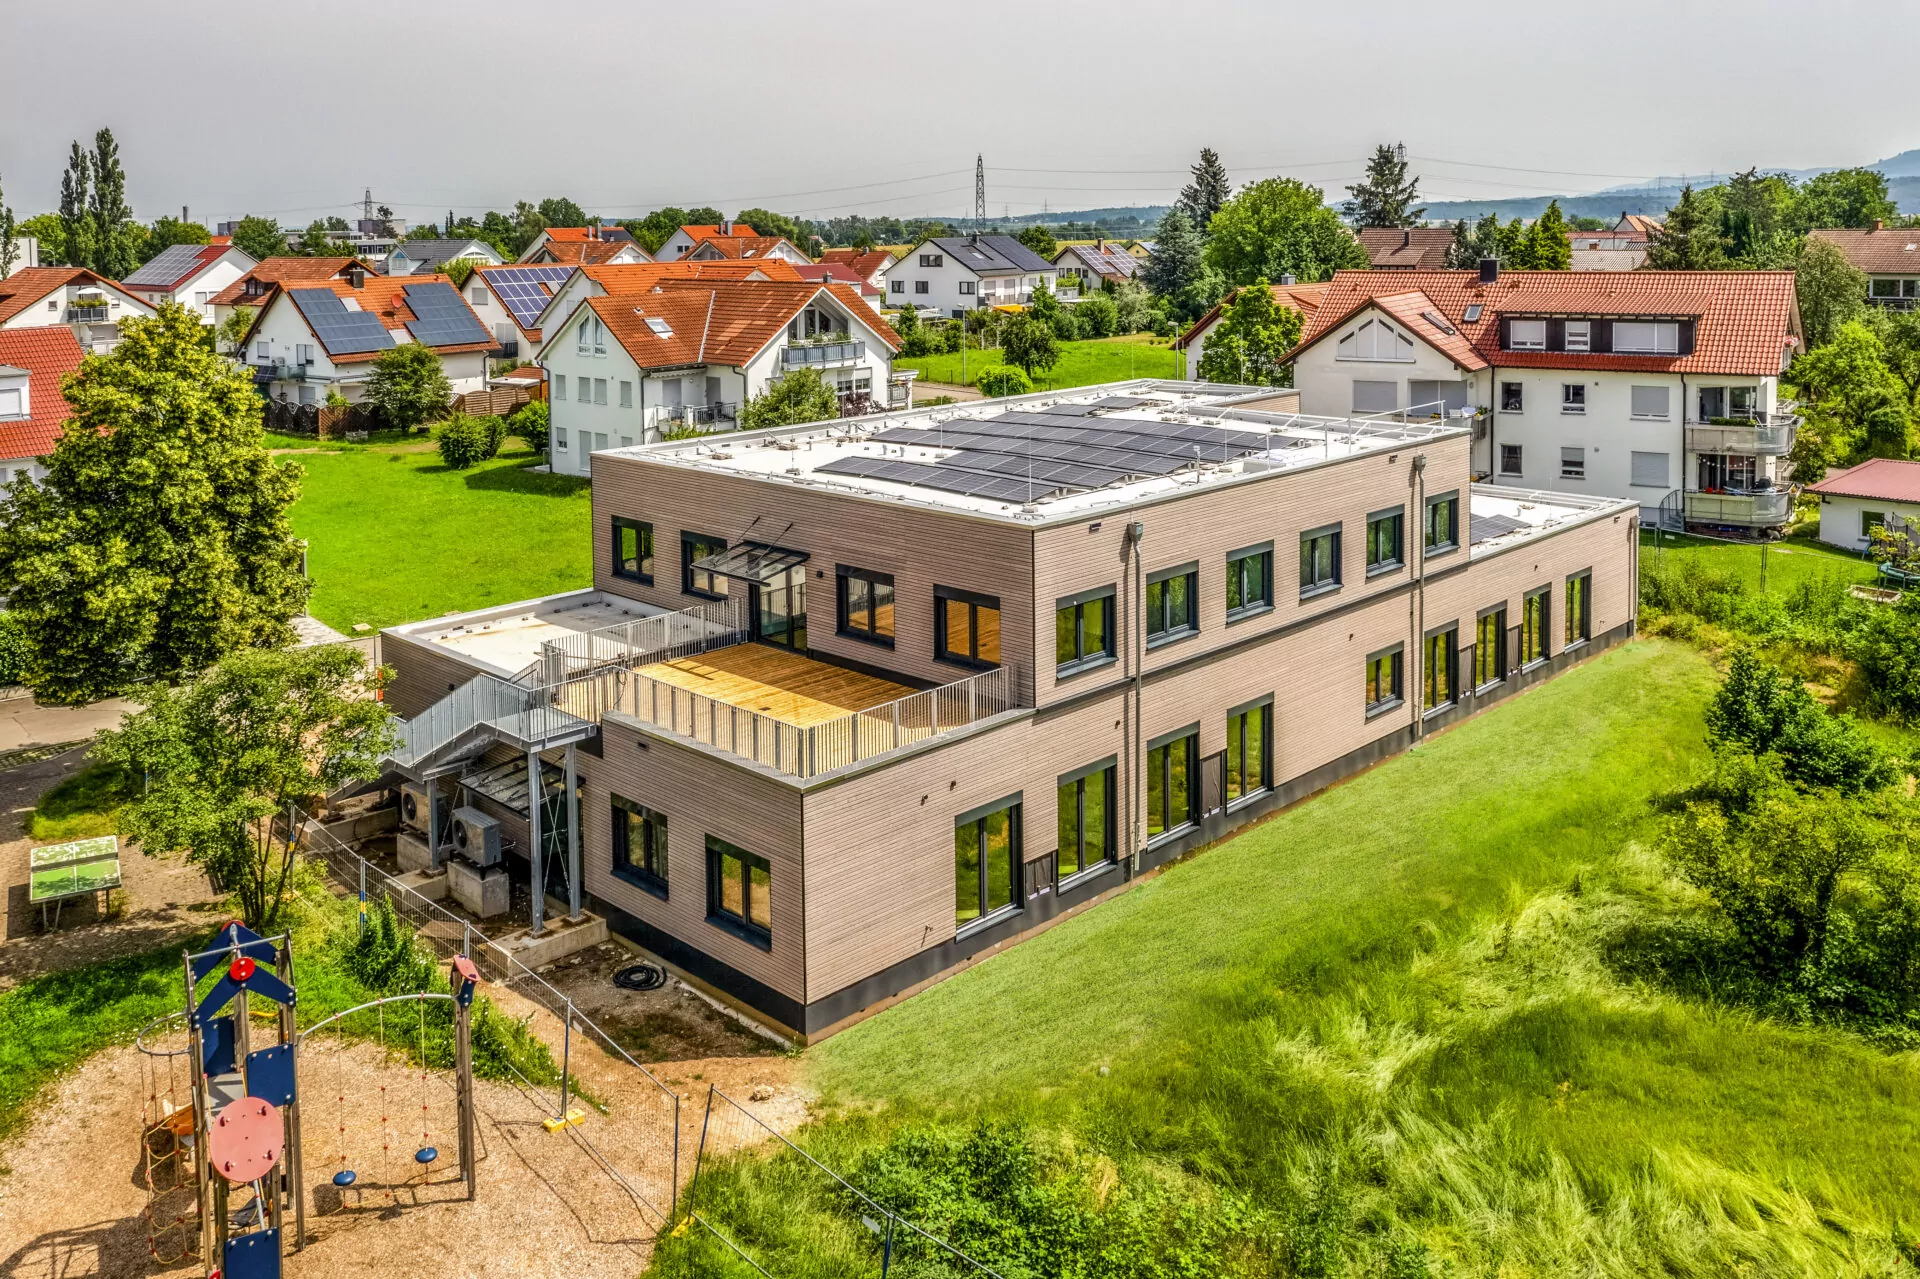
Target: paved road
{"type": "Point", "coordinates": [24, 722]}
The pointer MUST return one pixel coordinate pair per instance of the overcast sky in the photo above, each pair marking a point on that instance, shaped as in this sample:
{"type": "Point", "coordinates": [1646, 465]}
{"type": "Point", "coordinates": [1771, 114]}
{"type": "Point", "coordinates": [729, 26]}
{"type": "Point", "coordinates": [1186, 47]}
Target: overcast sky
{"type": "Point", "coordinates": [291, 111]}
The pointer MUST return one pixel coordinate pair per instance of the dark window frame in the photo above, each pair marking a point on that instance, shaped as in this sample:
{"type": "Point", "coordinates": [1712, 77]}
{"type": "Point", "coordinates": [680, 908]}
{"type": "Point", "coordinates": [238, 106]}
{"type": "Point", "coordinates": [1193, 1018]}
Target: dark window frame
{"type": "Point", "coordinates": [1379, 567]}
{"type": "Point", "coordinates": [688, 540]}
{"type": "Point", "coordinates": [1448, 637]}
{"type": "Point", "coordinates": [1013, 806]}
{"type": "Point", "coordinates": [1171, 631]}
{"type": "Point", "coordinates": [1170, 829]}
{"type": "Point", "coordinates": [743, 926]}
{"type": "Point", "coordinates": [1451, 499]}
{"type": "Point", "coordinates": [1516, 401]}
{"type": "Point", "coordinates": [649, 873]}
{"type": "Point", "coordinates": [1497, 672]}
{"type": "Point", "coordinates": [643, 548]}
{"type": "Point", "coordinates": [1519, 459]}
{"type": "Point", "coordinates": [842, 612]}
{"type": "Point", "coordinates": [1261, 581]}
{"type": "Point", "coordinates": [1329, 585]}
{"type": "Point", "coordinates": [1582, 580]}
{"type": "Point", "coordinates": [1082, 660]}
{"type": "Point", "coordinates": [975, 602]}
{"type": "Point", "coordinates": [1529, 630]}
{"type": "Point", "coordinates": [1238, 738]}
{"type": "Point", "coordinates": [1397, 694]}
{"type": "Point", "coordinates": [1106, 773]}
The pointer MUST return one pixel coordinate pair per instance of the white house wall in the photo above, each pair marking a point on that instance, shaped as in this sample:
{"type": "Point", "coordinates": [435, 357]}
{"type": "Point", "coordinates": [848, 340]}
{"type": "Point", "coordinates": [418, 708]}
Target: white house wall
{"type": "Point", "coordinates": [1326, 382]}
{"type": "Point", "coordinates": [97, 339]}
{"type": "Point", "coordinates": [943, 284]}
{"type": "Point", "coordinates": [1842, 519]}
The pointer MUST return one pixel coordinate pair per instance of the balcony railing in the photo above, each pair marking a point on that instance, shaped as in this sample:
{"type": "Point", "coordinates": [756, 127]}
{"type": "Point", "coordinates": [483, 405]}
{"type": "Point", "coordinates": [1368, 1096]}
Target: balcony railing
{"type": "Point", "coordinates": [1892, 304]}
{"type": "Point", "coordinates": [819, 748]}
{"type": "Point", "coordinates": [824, 353]}
{"type": "Point", "coordinates": [1768, 434]}
{"type": "Point", "coordinates": [1741, 510]}
{"type": "Point", "coordinates": [282, 371]}
{"type": "Point", "coordinates": [664, 637]}
{"type": "Point", "coordinates": [700, 414]}
{"type": "Point", "coordinates": [86, 315]}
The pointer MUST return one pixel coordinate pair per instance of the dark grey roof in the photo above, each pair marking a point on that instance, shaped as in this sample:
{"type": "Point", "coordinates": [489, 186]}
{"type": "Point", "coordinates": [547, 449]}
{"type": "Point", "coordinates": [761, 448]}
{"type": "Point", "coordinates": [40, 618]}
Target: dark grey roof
{"type": "Point", "coordinates": [431, 253]}
{"type": "Point", "coordinates": [166, 269]}
{"type": "Point", "coordinates": [991, 254]}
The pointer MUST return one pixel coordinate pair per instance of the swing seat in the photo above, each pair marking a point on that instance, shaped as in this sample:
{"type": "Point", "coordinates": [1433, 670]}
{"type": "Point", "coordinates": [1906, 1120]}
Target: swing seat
{"type": "Point", "coordinates": [426, 1154]}
{"type": "Point", "coordinates": [345, 1177]}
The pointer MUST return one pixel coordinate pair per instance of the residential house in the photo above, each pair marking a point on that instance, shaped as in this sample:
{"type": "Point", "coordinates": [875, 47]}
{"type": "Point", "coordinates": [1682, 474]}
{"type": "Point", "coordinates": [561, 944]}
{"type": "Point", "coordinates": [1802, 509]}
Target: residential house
{"type": "Point", "coordinates": [627, 366]}
{"type": "Point", "coordinates": [1081, 268]}
{"type": "Point", "coordinates": [589, 253]}
{"type": "Point", "coordinates": [32, 406]}
{"type": "Point", "coordinates": [596, 281]}
{"type": "Point", "coordinates": [1861, 498]}
{"type": "Point", "coordinates": [716, 248]}
{"type": "Point", "coordinates": [554, 245]}
{"type": "Point", "coordinates": [1889, 255]}
{"type": "Point", "coordinates": [687, 238]}
{"type": "Point", "coordinates": [869, 264]}
{"type": "Point", "coordinates": [411, 257]}
{"type": "Point", "coordinates": [854, 705]}
{"type": "Point", "coordinates": [840, 273]}
{"type": "Point", "coordinates": [311, 338]}
{"type": "Point", "coordinates": [40, 297]}
{"type": "Point", "coordinates": [253, 288]}
{"type": "Point", "coordinates": [1304, 298]}
{"type": "Point", "coordinates": [1142, 249]}
{"type": "Point", "coordinates": [510, 300]}
{"type": "Point", "coordinates": [1410, 248]}
{"type": "Point", "coordinates": [1622, 247]}
{"type": "Point", "coordinates": [956, 274]}
{"type": "Point", "coordinates": [190, 274]}
{"type": "Point", "coordinates": [1662, 386]}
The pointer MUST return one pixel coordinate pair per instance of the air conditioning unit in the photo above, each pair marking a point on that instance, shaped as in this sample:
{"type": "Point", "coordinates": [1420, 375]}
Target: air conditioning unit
{"type": "Point", "coordinates": [413, 808]}
{"type": "Point", "coordinates": [476, 837]}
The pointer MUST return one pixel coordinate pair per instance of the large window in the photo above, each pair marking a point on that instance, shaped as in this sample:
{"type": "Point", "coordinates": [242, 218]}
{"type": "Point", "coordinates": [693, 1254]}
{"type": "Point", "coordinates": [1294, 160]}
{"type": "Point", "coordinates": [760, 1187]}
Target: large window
{"type": "Point", "coordinates": [640, 845]}
{"type": "Point", "coordinates": [698, 581]}
{"type": "Point", "coordinates": [1648, 470]}
{"type": "Point", "coordinates": [1386, 540]}
{"type": "Point", "coordinates": [1319, 560]}
{"type": "Point", "coordinates": [1579, 598]}
{"type": "Point", "coordinates": [1083, 630]}
{"type": "Point", "coordinates": [1249, 749]}
{"type": "Point", "coordinates": [865, 605]}
{"type": "Point", "coordinates": [1573, 462]}
{"type": "Point", "coordinates": [1512, 397]}
{"type": "Point", "coordinates": [1086, 825]}
{"type": "Point", "coordinates": [986, 862]}
{"type": "Point", "coordinates": [1651, 402]}
{"type": "Point", "coordinates": [966, 627]}
{"type": "Point", "coordinates": [1439, 670]}
{"type": "Point", "coordinates": [1249, 580]}
{"type": "Point", "coordinates": [1573, 397]}
{"type": "Point", "coordinates": [1376, 340]}
{"type": "Point", "coordinates": [1383, 680]}
{"type": "Point", "coordinates": [1173, 769]}
{"type": "Point", "coordinates": [632, 550]}
{"type": "Point", "coordinates": [1173, 603]}
{"type": "Point", "coordinates": [1490, 649]}
{"type": "Point", "coordinates": [1526, 335]}
{"type": "Point", "coordinates": [1443, 523]}
{"type": "Point", "coordinates": [1579, 335]}
{"type": "Point", "coordinates": [1636, 337]}
{"type": "Point", "coordinates": [740, 892]}
{"type": "Point", "coordinates": [1534, 616]}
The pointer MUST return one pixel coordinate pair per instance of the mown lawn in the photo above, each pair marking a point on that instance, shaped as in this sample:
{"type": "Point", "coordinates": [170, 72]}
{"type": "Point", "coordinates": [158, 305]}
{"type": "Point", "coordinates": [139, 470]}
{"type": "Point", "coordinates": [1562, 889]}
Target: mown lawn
{"type": "Point", "coordinates": [395, 536]}
{"type": "Point", "coordinates": [1788, 563]}
{"type": "Point", "coordinates": [1085, 363]}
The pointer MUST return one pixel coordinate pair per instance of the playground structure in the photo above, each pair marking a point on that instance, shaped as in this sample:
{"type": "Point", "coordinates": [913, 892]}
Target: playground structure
{"type": "Point", "coordinates": [241, 1123]}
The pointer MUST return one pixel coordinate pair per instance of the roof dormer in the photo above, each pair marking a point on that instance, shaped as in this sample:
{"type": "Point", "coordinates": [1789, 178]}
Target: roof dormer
{"type": "Point", "coordinates": [16, 400]}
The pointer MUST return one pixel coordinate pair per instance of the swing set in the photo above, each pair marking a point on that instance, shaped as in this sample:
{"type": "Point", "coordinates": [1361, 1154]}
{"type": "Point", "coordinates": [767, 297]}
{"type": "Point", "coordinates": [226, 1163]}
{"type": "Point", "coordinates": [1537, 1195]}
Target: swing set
{"type": "Point", "coordinates": [240, 1121]}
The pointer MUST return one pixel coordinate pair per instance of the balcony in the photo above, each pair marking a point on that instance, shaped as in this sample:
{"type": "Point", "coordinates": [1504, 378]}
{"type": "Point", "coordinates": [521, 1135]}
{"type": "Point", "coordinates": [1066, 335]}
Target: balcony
{"type": "Point", "coordinates": [1893, 303]}
{"type": "Point", "coordinates": [819, 354]}
{"type": "Point", "coordinates": [1763, 435]}
{"type": "Point", "coordinates": [87, 314]}
{"type": "Point", "coordinates": [699, 414]}
{"type": "Point", "coordinates": [281, 371]}
{"type": "Point", "coordinates": [1768, 509]}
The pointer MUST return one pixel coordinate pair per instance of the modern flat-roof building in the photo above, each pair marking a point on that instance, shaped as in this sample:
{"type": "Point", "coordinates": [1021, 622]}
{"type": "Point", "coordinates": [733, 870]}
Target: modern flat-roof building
{"type": "Point", "coordinates": [851, 705]}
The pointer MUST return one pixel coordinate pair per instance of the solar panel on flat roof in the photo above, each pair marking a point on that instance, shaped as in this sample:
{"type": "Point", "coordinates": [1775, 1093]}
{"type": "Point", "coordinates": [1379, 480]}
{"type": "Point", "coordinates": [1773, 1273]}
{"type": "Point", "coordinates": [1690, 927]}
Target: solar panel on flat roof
{"type": "Point", "coordinates": [1122, 402]}
{"type": "Point", "coordinates": [1483, 528]}
{"type": "Point", "coordinates": [1070, 410]}
{"type": "Point", "coordinates": [946, 479]}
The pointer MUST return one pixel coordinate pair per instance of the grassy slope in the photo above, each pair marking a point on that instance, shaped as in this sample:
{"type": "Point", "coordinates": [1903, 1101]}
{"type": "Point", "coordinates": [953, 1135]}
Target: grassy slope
{"type": "Point", "coordinates": [1788, 563]}
{"type": "Point", "coordinates": [395, 536]}
{"type": "Point", "coordinates": [1085, 363]}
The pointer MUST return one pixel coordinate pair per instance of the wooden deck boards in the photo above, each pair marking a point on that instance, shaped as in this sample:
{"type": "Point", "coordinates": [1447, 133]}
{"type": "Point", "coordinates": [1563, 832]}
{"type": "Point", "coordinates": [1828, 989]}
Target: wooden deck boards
{"type": "Point", "coordinates": [787, 686]}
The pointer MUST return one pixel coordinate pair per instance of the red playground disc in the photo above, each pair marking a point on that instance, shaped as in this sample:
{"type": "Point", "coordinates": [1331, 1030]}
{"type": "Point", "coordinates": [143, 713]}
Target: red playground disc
{"type": "Point", "coordinates": [242, 969]}
{"type": "Point", "coordinates": [246, 1139]}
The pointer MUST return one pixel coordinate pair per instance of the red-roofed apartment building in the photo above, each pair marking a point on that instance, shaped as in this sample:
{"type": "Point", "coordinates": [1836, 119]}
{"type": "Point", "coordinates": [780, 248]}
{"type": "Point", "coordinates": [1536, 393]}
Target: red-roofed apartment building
{"type": "Point", "coordinates": [32, 408]}
{"type": "Point", "coordinates": [625, 366]}
{"type": "Point", "coordinates": [71, 297]}
{"type": "Point", "coordinates": [1662, 386]}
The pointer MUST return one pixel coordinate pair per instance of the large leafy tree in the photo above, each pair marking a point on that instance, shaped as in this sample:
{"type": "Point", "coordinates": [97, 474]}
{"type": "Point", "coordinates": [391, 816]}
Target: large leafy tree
{"type": "Point", "coordinates": [159, 540]}
{"type": "Point", "coordinates": [1832, 291]}
{"type": "Point", "coordinates": [408, 385]}
{"type": "Point", "coordinates": [1249, 344]}
{"type": "Point", "coordinates": [1276, 227]}
{"type": "Point", "coordinates": [1845, 198]}
{"type": "Point", "coordinates": [225, 755]}
{"type": "Point", "coordinates": [1201, 198]}
{"type": "Point", "coordinates": [767, 222]}
{"type": "Point", "coordinates": [1900, 340]}
{"type": "Point", "coordinates": [1756, 216]}
{"type": "Point", "coordinates": [1691, 238]}
{"type": "Point", "coordinates": [1386, 195]}
{"type": "Point", "coordinates": [167, 232]}
{"type": "Point", "coordinates": [1039, 239]}
{"type": "Point", "coordinates": [1028, 344]}
{"type": "Point", "coordinates": [1471, 244]}
{"type": "Point", "coordinates": [116, 236]}
{"type": "Point", "coordinates": [76, 225]}
{"type": "Point", "coordinates": [800, 396]}
{"type": "Point", "coordinates": [314, 241]}
{"type": "Point", "coordinates": [560, 211]}
{"type": "Point", "coordinates": [1547, 247]}
{"type": "Point", "coordinates": [260, 237]}
{"type": "Point", "coordinates": [1177, 272]}
{"type": "Point", "coordinates": [652, 231]}
{"type": "Point", "coordinates": [51, 232]}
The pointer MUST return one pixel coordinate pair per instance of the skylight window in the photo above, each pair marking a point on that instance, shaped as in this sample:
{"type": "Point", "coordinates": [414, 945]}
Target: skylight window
{"type": "Point", "coordinates": [1473, 312]}
{"type": "Point", "coordinates": [1436, 322]}
{"type": "Point", "coordinates": [661, 329]}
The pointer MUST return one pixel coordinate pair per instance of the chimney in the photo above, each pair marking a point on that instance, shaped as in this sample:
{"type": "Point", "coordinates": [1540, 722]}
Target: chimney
{"type": "Point", "coordinates": [1489, 270]}
{"type": "Point", "coordinates": [1406, 237]}
{"type": "Point", "coordinates": [356, 275]}
{"type": "Point", "coordinates": [183, 214]}
{"type": "Point", "coordinates": [1879, 224]}
{"type": "Point", "coordinates": [726, 226]}
{"type": "Point", "coordinates": [1287, 278]}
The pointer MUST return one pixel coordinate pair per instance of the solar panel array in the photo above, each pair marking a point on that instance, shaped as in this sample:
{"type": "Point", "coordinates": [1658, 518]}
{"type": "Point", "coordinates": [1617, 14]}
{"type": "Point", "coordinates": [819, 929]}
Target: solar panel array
{"type": "Point", "coordinates": [1484, 528]}
{"type": "Point", "coordinates": [172, 262]}
{"type": "Point", "coordinates": [948, 479]}
{"type": "Point", "coordinates": [444, 319]}
{"type": "Point", "coordinates": [341, 331]}
{"type": "Point", "coordinates": [519, 288]}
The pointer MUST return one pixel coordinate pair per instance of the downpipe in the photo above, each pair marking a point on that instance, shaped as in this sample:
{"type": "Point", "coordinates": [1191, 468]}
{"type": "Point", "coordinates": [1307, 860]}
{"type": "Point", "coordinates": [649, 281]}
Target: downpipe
{"type": "Point", "coordinates": [1417, 603]}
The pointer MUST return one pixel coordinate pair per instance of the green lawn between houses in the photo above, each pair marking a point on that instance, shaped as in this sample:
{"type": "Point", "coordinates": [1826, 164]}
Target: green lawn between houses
{"type": "Point", "coordinates": [1788, 563]}
{"type": "Point", "coordinates": [1087, 363]}
{"type": "Point", "coordinates": [1421, 977]}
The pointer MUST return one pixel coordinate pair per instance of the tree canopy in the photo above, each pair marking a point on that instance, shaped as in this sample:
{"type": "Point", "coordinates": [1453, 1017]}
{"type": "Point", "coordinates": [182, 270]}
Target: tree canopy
{"type": "Point", "coordinates": [1832, 290]}
{"type": "Point", "coordinates": [408, 385]}
{"type": "Point", "coordinates": [116, 236]}
{"type": "Point", "coordinates": [1386, 195]}
{"type": "Point", "coordinates": [159, 540]}
{"type": "Point", "coordinates": [800, 396]}
{"type": "Point", "coordinates": [1201, 198]}
{"type": "Point", "coordinates": [167, 232]}
{"type": "Point", "coordinates": [9, 232]}
{"type": "Point", "coordinates": [1249, 343]}
{"type": "Point", "coordinates": [560, 211]}
{"type": "Point", "coordinates": [1277, 227]}
{"type": "Point", "coordinates": [767, 222]}
{"type": "Point", "coordinates": [1028, 344]}
{"type": "Point", "coordinates": [1039, 239]}
{"type": "Point", "coordinates": [1547, 247]}
{"type": "Point", "coordinates": [653, 230]}
{"type": "Point", "coordinates": [1177, 272]}
{"type": "Point", "coordinates": [1691, 239]}
{"type": "Point", "coordinates": [260, 237]}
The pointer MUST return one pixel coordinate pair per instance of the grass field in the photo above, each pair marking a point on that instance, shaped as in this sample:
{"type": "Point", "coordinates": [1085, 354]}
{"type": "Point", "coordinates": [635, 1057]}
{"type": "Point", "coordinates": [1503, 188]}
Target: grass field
{"type": "Point", "coordinates": [1081, 363]}
{"type": "Point", "coordinates": [1788, 563]}
{"type": "Point", "coordinates": [1425, 988]}
{"type": "Point", "coordinates": [395, 536]}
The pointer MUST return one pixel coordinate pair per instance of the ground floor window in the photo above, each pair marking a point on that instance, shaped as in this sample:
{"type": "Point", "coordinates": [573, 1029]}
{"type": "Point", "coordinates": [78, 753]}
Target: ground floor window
{"type": "Point", "coordinates": [1172, 766]}
{"type": "Point", "coordinates": [1249, 750]}
{"type": "Point", "coordinates": [1438, 669]}
{"type": "Point", "coordinates": [632, 549]}
{"type": "Point", "coordinates": [1490, 649]}
{"type": "Point", "coordinates": [1533, 628]}
{"type": "Point", "coordinates": [640, 845]}
{"type": "Point", "coordinates": [986, 862]}
{"type": "Point", "coordinates": [740, 892]}
{"type": "Point", "coordinates": [1383, 680]}
{"type": "Point", "coordinates": [1579, 596]}
{"type": "Point", "coordinates": [1085, 822]}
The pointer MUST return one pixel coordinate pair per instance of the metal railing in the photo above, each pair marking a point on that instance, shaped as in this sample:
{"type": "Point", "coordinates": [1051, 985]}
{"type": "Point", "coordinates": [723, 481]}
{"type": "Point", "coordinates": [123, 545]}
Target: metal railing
{"type": "Point", "coordinates": [659, 638]}
{"type": "Point", "coordinates": [86, 315]}
{"type": "Point", "coordinates": [1892, 304]}
{"type": "Point", "coordinates": [700, 414]}
{"type": "Point", "coordinates": [815, 749]}
{"type": "Point", "coordinates": [1767, 434]}
{"type": "Point", "coordinates": [1741, 509]}
{"type": "Point", "coordinates": [824, 353]}
{"type": "Point", "coordinates": [481, 700]}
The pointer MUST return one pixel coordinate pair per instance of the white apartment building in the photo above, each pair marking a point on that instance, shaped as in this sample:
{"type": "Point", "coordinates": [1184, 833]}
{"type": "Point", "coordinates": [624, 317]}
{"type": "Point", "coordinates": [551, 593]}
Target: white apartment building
{"type": "Point", "coordinates": [955, 274]}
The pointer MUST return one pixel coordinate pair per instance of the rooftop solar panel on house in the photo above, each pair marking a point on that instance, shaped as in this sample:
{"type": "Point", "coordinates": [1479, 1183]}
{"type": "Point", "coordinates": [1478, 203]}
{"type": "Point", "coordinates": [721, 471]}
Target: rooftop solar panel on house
{"type": "Point", "coordinates": [443, 317]}
{"type": "Point", "coordinates": [520, 290]}
{"type": "Point", "coordinates": [168, 266]}
{"type": "Point", "coordinates": [341, 331]}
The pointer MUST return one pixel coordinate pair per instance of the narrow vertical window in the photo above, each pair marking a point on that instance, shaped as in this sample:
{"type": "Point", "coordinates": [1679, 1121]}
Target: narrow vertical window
{"type": "Point", "coordinates": [865, 605]}
{"type": "Point", "coordinates": [1249, 580]}
{"type": "Point", "coordinates": [1173, 766]}
{"type": "Point", "coordinates": [966, 627]}
{"type": "Point", "coordinates": [1490, 649]}
{"type": "Point", "coordinates": [699, 581]}
{"type": "Point", "coordinates": [640, 845]}
{"type": "Point", "coordinates": [632, 550]}
{"type": "Point", "coordinates": [1579, 598]}
{"type": "Point", "coordinates": [1443, 523]}
{"type": "Point", "coordinates": [986, 863]}
{"type": "Point", "coordinates": [1534, 616]}
{"type": "Point", "coordinates": [1438, 669]}
{"type": "Point", "coordinates": [1249, 750]}
{"type": "Point", "coordinates": [1383, 680]}
{"type": "Point", "coordinates": [1386, 540]}
{"type": "Point", "coordinates": [1173, 603]}
{"type": "Point", "coordinates": [740, 892]}
{"type": "Point", "coordinates": [1083, 631]}
{"type": "Point", "coordinates": [1085, 823]}
{"type": "Point", "coordinates": [1319, 560]}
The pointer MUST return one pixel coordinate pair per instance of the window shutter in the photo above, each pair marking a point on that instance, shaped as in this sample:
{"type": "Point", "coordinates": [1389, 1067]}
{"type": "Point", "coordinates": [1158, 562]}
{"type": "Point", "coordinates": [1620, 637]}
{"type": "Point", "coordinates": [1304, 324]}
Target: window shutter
{"type": "Point", "coordinates": [1686, 336]}
{"type": "Point", "coordinates": [1556, 335]}
{"type": "Point", "coordinates": [1603, 336]}
{"type": "Point", "coordinates": [1506, 334]}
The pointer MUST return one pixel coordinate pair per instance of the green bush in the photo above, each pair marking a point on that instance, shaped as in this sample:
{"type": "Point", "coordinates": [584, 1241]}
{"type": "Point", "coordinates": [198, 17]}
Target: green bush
{"type": "Point", "coordinates": [14, 650]}
{"type": "Point", "coordinates": [1004, 380]}
{"type": "Point", "coordinates": [1098, 316]}
{"type": "Point", "coordinates": [466, 441]}
{"type": "Point", "coordinates": [1761, 710]}
{"type": "Point", "coordinates": [533, 422]}
{"type": "Point", "coordinates": [1888, 650]}
{"type": "Point", "coordinates": [922, 340]}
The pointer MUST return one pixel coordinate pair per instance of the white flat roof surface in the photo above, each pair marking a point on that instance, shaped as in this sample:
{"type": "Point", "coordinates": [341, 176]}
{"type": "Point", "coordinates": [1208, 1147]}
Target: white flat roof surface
{"type": "Point", "coordinates": [507, 639]}
{"type": "Point", "coordinates": [1509, 516]}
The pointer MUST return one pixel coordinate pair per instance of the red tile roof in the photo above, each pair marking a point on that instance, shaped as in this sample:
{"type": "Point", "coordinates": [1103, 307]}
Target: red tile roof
{"type": "Point", "coordinates": [631, 276]}
{"type": "Point", "coordinates": [699, 233]}
{"type": "Point", "coordinates": [1747, 321]}
{"type": "Point", "coordinates": [738, 246]}
{"type": "Point", "coordinates": [1881, 479]}
{"type": "Point", "coordinates": [1304, 298]}
{"type": "Point", "coordinates": [281, 271]}
{"type": "Point", "coordinates": [31, 284]}
{"type": "Point", "coordinates": [46, 354]}
{"type": "Point", "coordinates": [588, 234]}
{"type": "Point", "coordinates": [1881, 251]}
{"type": "Point", "coordinates": [587, 251]}
{"type": "Point", "coordinates": [1420, 248]}
{"type": "Point", "coordinates": [716, 324]}
{"type": "Point", "coordinates": [865, 264]}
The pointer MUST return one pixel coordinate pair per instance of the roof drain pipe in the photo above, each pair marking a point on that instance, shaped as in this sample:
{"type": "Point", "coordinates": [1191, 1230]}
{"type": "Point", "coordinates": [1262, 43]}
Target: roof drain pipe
{"type": "Point", "coordinates": [1417, 606]}
{"type": "Point", "coordinates": [1136, 761]}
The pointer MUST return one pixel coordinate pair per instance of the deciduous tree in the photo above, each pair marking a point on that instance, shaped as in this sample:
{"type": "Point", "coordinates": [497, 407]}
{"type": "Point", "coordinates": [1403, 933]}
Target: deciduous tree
{"type": "Point", "coordinates": [159, 540]}
{"type": "Point", "coordinates": [408, 385]}
{"type": "Point", "coordinates": [560, 211]}
{"type": "Point", "coordinates": [1039, 239]}
{"type": "Point", "coordinates": [767, 222]}
{"type": "Point", "coordinates": [1250, 342]}
{"type": "Point", "coordinates": [260, 237]}
{"type": "Point", "coordinates": [1278, 227]}
{"type": "Point", "coordinates": [1201, 198]}
{"type": "Point", "coordinates": [800, 396]}
{"type": "Point", "coordinates": [9, 232]}
{"type": "Point", "coordinates": [1832, 291]}
{"type": "Point", "coordinates": [1472, 244]}
{"type": "Point", "coordinates": [76, 187]}
{"type": "Point", "coordinates": [116, 237]}
{"type": "Point", "coordinates": [51, 232]}
{"type": "Point", "coordinates": [167, 232]}
{"type": "Point", "coordinates": [1386, 195]}
{"type": "Point", "coordinates": [1691, 239]}
{"type": "Point", "coordinates": [314, 242]}
{"type": "Point", "coordinates": [1845, 198]}
{"type": "Point", "coordinates": [1029, 345]}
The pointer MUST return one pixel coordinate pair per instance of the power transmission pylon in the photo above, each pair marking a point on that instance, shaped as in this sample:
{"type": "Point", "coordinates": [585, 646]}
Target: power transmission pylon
{"type": "Point", "coordinates": [979, 193]}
